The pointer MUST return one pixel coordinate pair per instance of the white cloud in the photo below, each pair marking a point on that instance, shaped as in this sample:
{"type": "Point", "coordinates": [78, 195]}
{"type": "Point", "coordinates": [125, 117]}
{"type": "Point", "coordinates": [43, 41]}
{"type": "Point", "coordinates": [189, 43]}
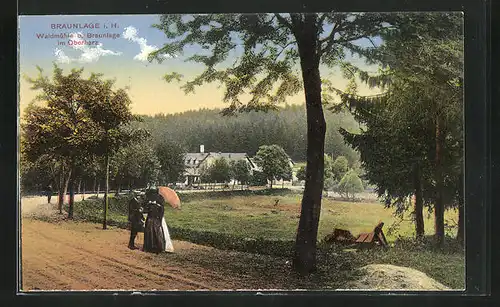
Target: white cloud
{"type": "Point", "coordinates": [88, 53]}
{"type": "Point", "coordinates": [61, 56]}
{"type": "Point", "coordinates": [130, 34]}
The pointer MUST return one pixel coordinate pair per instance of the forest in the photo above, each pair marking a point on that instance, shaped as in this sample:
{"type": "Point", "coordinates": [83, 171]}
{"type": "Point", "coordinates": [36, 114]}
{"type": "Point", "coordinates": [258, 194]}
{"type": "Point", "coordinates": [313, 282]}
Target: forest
{"type": "Point", "coordinates": [245, 132]}
{"type": "Point", "coordinates": [186, 131]}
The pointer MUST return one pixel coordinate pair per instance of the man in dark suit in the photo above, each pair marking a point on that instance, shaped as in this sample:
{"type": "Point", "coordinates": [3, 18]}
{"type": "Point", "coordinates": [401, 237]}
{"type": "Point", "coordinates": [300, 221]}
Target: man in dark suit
{"type": "Point", "coordinates": [48, 192]}
{"type": "Point", "coordinates": [136, 219]}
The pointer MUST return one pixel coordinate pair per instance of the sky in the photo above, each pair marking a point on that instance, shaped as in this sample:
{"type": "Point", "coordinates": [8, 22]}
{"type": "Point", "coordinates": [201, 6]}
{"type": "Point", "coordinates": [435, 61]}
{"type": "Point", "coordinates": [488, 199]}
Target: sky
{"type": "Point", "coordinates": [121, 56]}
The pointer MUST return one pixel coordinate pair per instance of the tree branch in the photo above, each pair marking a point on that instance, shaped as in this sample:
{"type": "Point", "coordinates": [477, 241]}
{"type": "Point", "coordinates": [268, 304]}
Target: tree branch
{"type": "Point", "coordinates": [283, 49]}
{"type": "Point", "coordinates": [296, 25]}
{"type": "Point", "coordinates": [330, 39]}
{"type": "Point", "coordinates": [349, 69]}
{"type": "Point", "coordinates": [371, 41]}
{"type": "Point", "coordinates": [353, 38]}
{"type": "Point", "coordinates": [350, 39]}
{"type": "Point", "coordinates": [283, 21]}
{"type": "Point", "coordinates": [321, 20]}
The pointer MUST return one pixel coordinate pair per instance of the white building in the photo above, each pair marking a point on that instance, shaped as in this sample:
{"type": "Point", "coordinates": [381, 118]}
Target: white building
{"type": "Point", "coordinates": [194, 162]}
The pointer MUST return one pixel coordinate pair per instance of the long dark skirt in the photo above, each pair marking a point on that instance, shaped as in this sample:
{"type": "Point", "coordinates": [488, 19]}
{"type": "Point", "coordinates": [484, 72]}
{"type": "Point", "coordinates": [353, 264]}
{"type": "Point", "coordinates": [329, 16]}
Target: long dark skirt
{"type": "Point", "coordinates": [154, 240]}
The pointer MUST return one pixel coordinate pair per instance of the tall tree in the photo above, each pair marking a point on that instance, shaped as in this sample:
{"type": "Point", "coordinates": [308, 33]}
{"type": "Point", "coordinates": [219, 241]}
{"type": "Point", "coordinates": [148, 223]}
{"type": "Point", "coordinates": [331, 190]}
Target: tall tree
{"type": "Point", "coordinates": [220, 171]}
{"type": "Point", "coordinates": [258, 178]}
{"type": "Point", "coordinates": [350, 185]}
{"type": "Point", "coordinates": [277, 54]}
{"type": "Point", "coordinates": [62, 128]}
{"type": "Point", "coordinates": [339, 168]}
{"type": "Point", "coordinates": [330, 171]}
{"type": "Point", "coordinates": [135, 165]}
{"type": "Point", "coordinates": [395, 149]}
{"type": "Point", "coordinates": [286, 173]}
{"type": "Point", "coordinates": [35, 175]}
{"type": "Point", "coordinates": [274, 162]}
{"type": "Point", "coordinates": [240, 171]}
{"type": "Point", "coordinates": [437, 39]}
{"type": "Point", "coordinates": [109, 109]}
{"type": "Point", "coordinates": [422, 56]}
{"type": "Point", "coordinates": [95, 170]}
{"type": "Point", "coordinates": [171, 157]}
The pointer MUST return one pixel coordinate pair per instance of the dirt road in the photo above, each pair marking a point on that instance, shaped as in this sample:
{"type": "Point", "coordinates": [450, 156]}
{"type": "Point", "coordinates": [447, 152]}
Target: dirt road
{"type": "Point", "coordinates": [37, 205]}
{"type": "Point", "coordinates": [59, 254]}
{"type": "Point", "coordinates": [64, 255]}
{"type": "Point", "coordinates": [82, 256]}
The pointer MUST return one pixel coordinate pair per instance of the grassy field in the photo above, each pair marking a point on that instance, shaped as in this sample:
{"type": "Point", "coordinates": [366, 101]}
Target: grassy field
{"type": "Point", "coordinates": [229, 221]}
{"type": "Point", "coordinates": [259, 216]}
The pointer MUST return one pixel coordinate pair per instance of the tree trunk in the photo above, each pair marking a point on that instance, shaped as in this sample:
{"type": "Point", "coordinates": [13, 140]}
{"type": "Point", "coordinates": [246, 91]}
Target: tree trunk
{"type": "Point", "coordinates": [66, 184]}
{"type": "Point", "coordinates": [83, 195]}
{"type": "Point", "coordinates": [106, 191]}
{"type": "Point", "coordinates": [60, 200]}
{"type": "Point", "coordinates": [461, 221]}
{"type": "Point", "coordinates": [71, 192]}
{"type": "Point", "coordinates": [439, 203]}
{"type": "Point", "coordinates": [80, 186]}
{"type": "Point", "coordinates": [95, 184]}
{"type": "Point", "coordinates": [419, 203]}
{"type": "Point", "coordinates": [304, 261]}
{"type": "Point", "coordinates": [98, 189]}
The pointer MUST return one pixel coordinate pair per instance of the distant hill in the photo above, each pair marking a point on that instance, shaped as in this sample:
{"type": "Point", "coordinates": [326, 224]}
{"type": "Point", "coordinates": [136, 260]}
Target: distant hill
{"type": "Point", "coordinates": [246, 132]}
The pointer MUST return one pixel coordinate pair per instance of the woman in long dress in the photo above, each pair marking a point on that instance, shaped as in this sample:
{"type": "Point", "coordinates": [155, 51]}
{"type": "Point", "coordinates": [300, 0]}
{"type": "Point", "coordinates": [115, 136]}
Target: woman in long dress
{"type": "Point", "coordinates": [156, 235]}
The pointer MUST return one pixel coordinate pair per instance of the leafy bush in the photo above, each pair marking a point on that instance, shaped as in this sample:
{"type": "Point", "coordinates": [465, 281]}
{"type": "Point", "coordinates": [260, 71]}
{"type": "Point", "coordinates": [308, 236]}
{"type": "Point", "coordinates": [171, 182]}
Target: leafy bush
{"type": "Point", "coordinates": [189, 197]}
{"type": "Point", "coordinates": [301, 173]}
{"type": "Point", "coordinates": [274, 162]}
{"type": "Point", "coordinates": [350, 185]}
{"type": "Point", "coordinates": [330, 184]}
{"type": "Point", "coordinates": [227, 241]}
{"type": "Point", "coordinates": [340, 167]}
{"type": "Point", "coordinates": [240, 171]}
{"type": "Point", "coordinates": [258, 179]}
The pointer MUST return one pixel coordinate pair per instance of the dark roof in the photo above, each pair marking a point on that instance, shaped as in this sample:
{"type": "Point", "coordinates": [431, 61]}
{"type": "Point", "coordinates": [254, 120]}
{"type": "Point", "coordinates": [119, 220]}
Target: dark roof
{"type": "Point", "coordinates": [229, 155]}
{"type": "Point", "coordinates": [194, 159]}
{"type": "Point", "coordinates": [199, 157]}
{"type": "Point", "coordinates": [195, 155]}
{"type": "Point", "coordinates": [226, 155]}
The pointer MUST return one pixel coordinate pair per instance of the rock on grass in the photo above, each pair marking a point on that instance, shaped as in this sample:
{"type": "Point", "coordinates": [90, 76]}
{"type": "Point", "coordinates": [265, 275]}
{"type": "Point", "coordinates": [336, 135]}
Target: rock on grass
{"type": "Point", "coordinates": [391, 277]}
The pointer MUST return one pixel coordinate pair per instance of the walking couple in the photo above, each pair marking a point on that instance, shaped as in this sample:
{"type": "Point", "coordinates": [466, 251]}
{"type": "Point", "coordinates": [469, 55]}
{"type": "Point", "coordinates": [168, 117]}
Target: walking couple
{"type": "Point", "coordinates": [156, 235]}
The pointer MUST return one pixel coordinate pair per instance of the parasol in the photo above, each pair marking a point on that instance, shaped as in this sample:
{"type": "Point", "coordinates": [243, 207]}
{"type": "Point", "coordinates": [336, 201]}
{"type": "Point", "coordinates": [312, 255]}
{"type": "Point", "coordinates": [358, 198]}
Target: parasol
{"type": "Point", "coordinates": [170, 197]}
